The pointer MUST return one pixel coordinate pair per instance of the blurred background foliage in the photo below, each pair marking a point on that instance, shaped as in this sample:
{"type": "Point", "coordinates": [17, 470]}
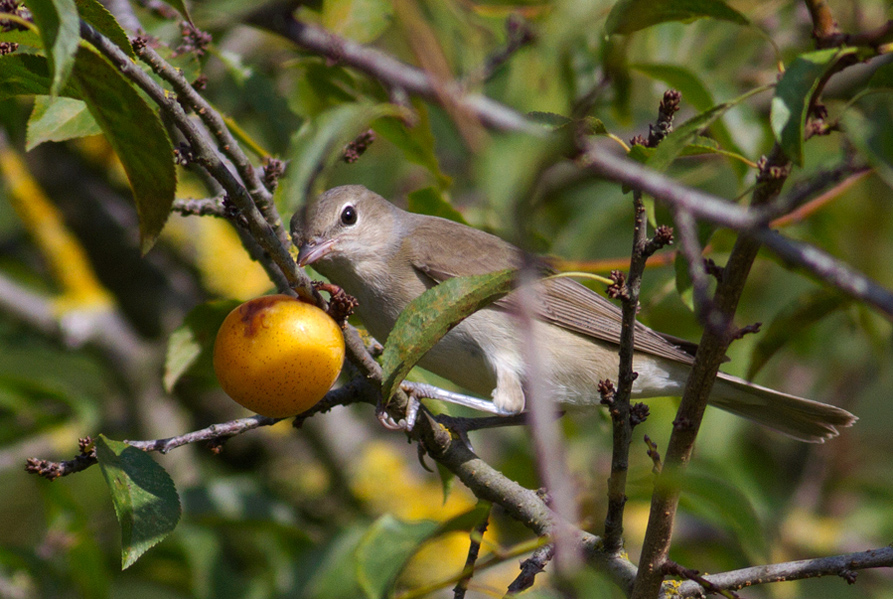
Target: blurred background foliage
{"type": "Point", "coordinates": [281, 513]}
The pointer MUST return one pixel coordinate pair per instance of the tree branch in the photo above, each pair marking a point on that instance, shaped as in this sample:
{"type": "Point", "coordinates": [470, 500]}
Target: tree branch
{"type": "Point", "coordinates": [844, 565]}
{"type": "Point", "coordinates": [208, 157]}
{"type": "Point", "coordinates": [711, 353]}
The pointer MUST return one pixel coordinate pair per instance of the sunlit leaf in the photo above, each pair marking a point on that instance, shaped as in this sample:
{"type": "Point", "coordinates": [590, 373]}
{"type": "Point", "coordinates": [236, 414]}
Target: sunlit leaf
{"type": "Point", "coordinates": [431, 315]}
{"type": "Point", "coordinates": [628, 16]}
{"type": "Point", "coordinates": [144, 496]}
{"type": "Point", "coordinates": [59, 119]}
{"type": "Point", "coordinates": [791, 322]}
{"type": "Point", "coordinates": [360, 20]}
{"type": "Point", "coordinates": [59, 26]}
{"type": "Point", "coordinates": [104, 22]}
{"type": "Point", "coordinates": [135, 132]}
{"type": "Point", "coordinates": [793, 98]}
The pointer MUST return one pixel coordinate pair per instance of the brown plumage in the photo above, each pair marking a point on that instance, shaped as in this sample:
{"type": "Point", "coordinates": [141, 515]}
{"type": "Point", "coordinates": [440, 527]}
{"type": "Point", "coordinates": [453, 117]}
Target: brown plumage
{"type": "Point", "coordinates": [386, 257]}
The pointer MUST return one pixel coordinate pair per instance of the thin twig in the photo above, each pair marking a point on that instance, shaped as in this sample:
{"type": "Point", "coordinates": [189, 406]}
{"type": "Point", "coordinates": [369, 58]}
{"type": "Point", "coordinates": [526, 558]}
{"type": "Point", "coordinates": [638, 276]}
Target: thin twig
{"type": "Point", "coordinates": [207, 156]}
{"type": "Point", "coordinates": [474, 548]}
{"type": "Point", "coordinates": [619, 405]}
{"type": "Point", "coordinates": [711, 353]}
{"type": "Point", "coordinates": [530, 567]}
{"type": "Point", "coordinates": [845, 565]}
{"type": "Point", "coordinates": [217, 126]}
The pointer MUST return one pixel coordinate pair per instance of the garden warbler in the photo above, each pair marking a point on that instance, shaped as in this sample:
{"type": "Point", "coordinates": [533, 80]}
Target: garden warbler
{"type": "Point", "coordinates": [386, 257]}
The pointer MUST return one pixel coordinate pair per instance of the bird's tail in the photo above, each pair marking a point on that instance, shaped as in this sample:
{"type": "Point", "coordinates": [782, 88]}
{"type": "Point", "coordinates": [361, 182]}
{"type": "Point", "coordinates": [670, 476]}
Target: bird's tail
{"type": "Point", "coordinates": [797, 417]}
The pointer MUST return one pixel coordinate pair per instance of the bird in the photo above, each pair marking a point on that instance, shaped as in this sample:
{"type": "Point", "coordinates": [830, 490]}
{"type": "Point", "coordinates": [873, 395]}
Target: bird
{"type": "Point", "coordinates": [385, 257]}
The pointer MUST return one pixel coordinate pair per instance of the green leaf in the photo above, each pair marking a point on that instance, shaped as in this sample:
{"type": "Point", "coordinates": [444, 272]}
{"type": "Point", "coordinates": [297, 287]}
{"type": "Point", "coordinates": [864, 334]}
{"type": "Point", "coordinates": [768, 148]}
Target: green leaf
{"type": "Point", "coordinates": [102, 20]}
{"type": "Point", "coordinates": [417, 143]}
{"type": "Point", "coordinates": [59, 26]}
{"type": "Point", "coordinates": [690, 131]}
{"type": "Point", "coordinates": [28, 75]}
{"type": "Point", "coordinates": [792, 321]}
{"type": "Point", "coordinates": [693, 89]}
{"type": "Point", "coordinates": [872, 134]}
{"type": "Point", "coordinates": [389, 543]}
{"type": "Point", "coordinates": [59, 119]}
{"type": "Point", "coordinates": [430, 201]}
{"type": "Point", "coordinates": [360, 20]}
{"type": "Point", "coordinates": [385, 548]}
{"type": "Point", "coordinates": [85, 563]}
{"type": "Point", "coordinates": [319, 143]}
{"type": "Point", "coordinates": [431, 315]}
{"type": "Point", "coordinates": [882, 78]}
{"type": "Point", "coordinates": [193, 341]}
{"type": "Point", "coordinates": [793, 96]}
{"type": "Point", "coordinates": [628, 16]}
{"type": "Point", "coordinates": [135, 132]}
{"type": "Point", "coordinates": [714, 499]}
{"type": "Point", "coordinates": [144, 496]}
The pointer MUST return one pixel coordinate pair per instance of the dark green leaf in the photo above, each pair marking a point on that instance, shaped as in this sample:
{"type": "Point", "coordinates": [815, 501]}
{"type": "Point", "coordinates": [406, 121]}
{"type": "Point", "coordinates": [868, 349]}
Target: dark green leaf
{"type": "Point", "coordinates": [135, 132]}
{"type": "Point", "coordinates": [793, 98]}
{"type": "Point", "coordinates": [59, 119]}
{"type": "Point", "coordinates": [85, 560]}
{"type": "Point", "coordinates": [792, 321]}
{"type": "Point", "coordinates": [873, 137]}
{"type": "Point", "coordinates": [417, 143]}
{"type": "Point", "coordinates": [628, 16]}
{"type": "Point", "coordinates": [144, 496]}
{"type": "Point", "coordinates": [430, 201]}
{"type": "Point", "coordinates": [319, 143]}
{"type": "Point", "coordinates": [28, 75]}
{"type": "Point", "coordinates": [193, 341]}
{"type": "Point", "coordinates": [384, 550]}
{"type": "Point", "coordinates": [882, 78]}
{"type": "Point", "coordinates": [102, 20]}
{"type": "Point", "coordinates": [714, 499]}
{"type": "Point", "coordinates": [59, 26]}
{"type": "Point", "coordinates": [431, 315]}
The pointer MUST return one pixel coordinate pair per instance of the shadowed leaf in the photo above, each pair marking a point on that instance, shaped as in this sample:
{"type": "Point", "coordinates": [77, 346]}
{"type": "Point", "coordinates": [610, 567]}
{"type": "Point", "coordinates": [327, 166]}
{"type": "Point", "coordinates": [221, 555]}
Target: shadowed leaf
{"type": "Point", "coordinates": [793, 96]}
{"type": "Point", "coordinates": [628, 16]}
{"type": "Point", "coordinates": [796, 318]}
{"type": "Point", "coordinates": [193, 341]}
{"type": "Point", "coordinates": [429, 201]}
{"type": "Point", "coordinates": [389, 543]}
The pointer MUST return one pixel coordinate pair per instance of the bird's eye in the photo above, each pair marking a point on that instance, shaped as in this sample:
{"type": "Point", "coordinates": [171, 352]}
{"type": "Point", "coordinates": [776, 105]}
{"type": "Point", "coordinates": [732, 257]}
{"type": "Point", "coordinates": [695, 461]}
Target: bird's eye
{"type": "Point", "coordinates": [349, 215]}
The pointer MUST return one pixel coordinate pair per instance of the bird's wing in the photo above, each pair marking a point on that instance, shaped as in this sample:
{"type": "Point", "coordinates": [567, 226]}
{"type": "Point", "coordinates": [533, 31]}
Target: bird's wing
{"type": "Point", "coordinates": [577, 308]}
{"type": "Point", "coordinates": [565, 302]}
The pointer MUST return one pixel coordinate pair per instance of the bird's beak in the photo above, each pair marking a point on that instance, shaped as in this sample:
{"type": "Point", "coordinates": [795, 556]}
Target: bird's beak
{"type": "Point", "coordinates": [313, 250]}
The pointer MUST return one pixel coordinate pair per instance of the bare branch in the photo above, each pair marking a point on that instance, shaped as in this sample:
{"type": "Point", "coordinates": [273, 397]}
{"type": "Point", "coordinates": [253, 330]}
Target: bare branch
{"type": "Point", "coordinates": [839, 565]}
